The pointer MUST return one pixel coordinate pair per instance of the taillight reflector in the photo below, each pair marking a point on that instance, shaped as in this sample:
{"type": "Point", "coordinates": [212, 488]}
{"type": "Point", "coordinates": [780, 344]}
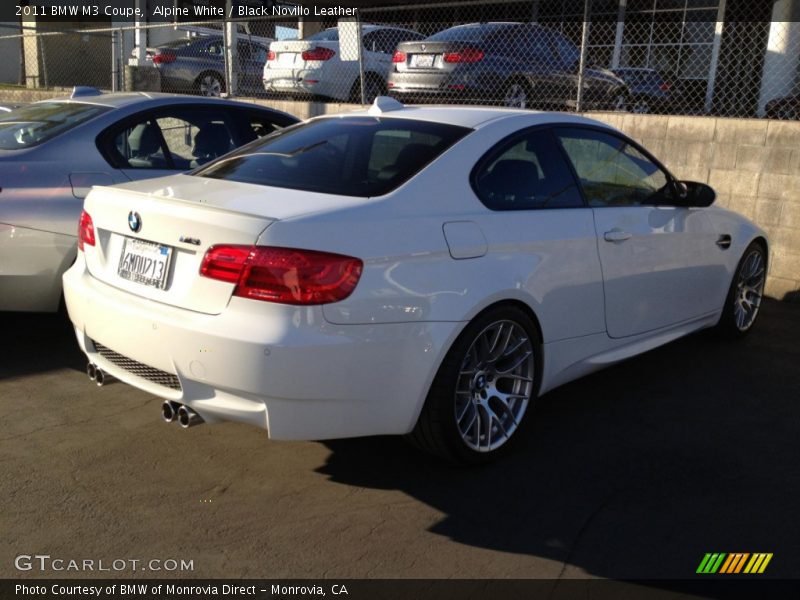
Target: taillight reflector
{"type": "Point", "coordinates": [271, 55]}
{"type": "Point", "coordinates": [284, 275]}
{"type": "Point", "coordinates": [85, 231]}
{"type": "Point", "coordinates": [318, 54]}
{"type": "Point", "coordinates": [399, 57]}
{"type": "Point", "coordinates": [164, 57]}
{"type": "Point", "coordinates": [465, 55]}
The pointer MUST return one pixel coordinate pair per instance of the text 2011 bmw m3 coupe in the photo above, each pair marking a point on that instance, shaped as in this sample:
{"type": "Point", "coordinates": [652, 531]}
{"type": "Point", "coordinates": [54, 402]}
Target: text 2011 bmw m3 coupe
{"type": "Point", "coordinates": [403, 270]}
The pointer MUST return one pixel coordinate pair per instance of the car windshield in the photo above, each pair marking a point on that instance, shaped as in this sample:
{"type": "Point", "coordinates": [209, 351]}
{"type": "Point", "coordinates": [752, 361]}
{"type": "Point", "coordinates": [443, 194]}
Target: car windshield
{"type": "Point", "coordinates": [37, 123]}
{"type": "Point", "coordinates": [357, 156]}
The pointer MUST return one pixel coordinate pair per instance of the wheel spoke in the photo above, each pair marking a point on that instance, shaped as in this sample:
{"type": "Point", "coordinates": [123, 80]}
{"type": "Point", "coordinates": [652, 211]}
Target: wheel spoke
{"type": "Point", "coordinates": [514, 377]}
{"type": "Point", "coordinates": [519, 361]}
{"type": "Point", "coordinates": [463, 414]}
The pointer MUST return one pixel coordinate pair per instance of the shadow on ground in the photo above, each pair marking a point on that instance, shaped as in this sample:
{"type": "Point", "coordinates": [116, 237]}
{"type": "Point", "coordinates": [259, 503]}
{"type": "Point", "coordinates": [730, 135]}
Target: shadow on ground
{"type": "Point", "coordinates": [634, 472]}
{"type": "Point", "coordinates": [37, 343]}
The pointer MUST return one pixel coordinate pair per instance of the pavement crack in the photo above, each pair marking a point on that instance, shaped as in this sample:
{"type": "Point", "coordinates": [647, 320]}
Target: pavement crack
{"type": "Point", "coordinates": [69, 423]}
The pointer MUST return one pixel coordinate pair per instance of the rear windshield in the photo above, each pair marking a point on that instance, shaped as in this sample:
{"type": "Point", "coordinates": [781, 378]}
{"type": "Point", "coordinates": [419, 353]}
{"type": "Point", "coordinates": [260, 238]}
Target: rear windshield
{"type": "Point", "coordinates": [465, 33]}
{"type": "Point", "coordinates": [357, 156]}
{"type": "Point", "coordinates": [328, 35]}
{"type": "Point", "coordinates": [37, 123]}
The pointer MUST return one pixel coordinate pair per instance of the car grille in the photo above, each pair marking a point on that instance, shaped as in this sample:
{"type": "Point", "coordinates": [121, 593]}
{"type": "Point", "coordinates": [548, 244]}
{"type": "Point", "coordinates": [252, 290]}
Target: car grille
{"type": "Point", "coordinates": [134, 367]}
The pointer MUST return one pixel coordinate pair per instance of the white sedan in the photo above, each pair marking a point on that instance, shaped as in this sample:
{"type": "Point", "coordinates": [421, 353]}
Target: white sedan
{"type": "Point", "coordinates": [422, 271]}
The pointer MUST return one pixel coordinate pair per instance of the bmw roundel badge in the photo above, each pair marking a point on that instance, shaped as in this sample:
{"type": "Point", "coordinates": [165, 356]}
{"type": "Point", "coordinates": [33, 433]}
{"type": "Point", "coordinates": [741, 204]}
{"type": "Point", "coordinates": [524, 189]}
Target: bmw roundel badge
{"type": "Point", "coordinates": [134, 221]}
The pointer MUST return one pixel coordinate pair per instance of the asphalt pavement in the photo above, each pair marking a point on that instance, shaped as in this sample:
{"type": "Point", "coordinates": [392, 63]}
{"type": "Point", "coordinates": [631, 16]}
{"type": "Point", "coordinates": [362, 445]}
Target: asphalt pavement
{"type": "Point", "coordinates": [634, 472]}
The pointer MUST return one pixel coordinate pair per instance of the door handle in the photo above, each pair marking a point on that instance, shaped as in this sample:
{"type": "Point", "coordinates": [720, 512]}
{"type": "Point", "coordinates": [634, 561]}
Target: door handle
{"type": "Point", "coordinates": [724, 241]}
{"type": "Point", "coordinates": [617, 235]}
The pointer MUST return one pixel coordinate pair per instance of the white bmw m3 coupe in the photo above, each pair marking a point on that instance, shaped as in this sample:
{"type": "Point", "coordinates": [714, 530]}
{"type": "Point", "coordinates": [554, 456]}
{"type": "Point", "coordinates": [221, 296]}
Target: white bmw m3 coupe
{"type": "Point", "coordinates": [403, 270]}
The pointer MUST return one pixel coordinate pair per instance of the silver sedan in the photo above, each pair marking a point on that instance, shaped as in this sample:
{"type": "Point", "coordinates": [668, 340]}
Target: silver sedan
{"type": "Point", "coordinates": [53, 152]}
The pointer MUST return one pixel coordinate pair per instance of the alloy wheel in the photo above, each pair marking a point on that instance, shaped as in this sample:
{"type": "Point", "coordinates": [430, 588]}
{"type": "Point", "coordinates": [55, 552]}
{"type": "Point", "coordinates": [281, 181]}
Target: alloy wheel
{"type": "Point", "coordinates": [516, 96]}
{"type": "Point", "coordinates": [749, 289]}
{"type": "Point", "coordinates": [210, 85]}
{"type": "Point", "coordinates": [494, 386]}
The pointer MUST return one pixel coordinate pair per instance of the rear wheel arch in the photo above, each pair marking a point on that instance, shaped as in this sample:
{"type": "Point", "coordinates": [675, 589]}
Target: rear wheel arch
{"type": "Point", "coordinates": [430, 431]}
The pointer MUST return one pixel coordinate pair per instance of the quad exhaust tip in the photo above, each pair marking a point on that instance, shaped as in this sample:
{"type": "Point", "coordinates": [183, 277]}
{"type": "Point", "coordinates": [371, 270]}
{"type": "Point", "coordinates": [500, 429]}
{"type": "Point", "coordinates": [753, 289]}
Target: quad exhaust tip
{"type": "Point", "coordinates": [102, 378]}
{"type": "Point", "coordinates": [188, 418]}
{"type": "Point", "coordinates": [169, 411]}
{"type": "Point", "coordinates": [99, 376]}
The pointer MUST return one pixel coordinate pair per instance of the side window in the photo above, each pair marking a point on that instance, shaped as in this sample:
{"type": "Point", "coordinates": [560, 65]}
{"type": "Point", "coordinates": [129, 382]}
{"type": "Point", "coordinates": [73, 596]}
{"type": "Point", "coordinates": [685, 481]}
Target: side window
{"type": "Point", "coordinates": [371, 41]}
{"type": "Point", "coordinates": [567, 51]}
{"type": "Point", "coordinates": [527, 172]}
{"type": "Point", "coordinates": [611, 171]}
{"type": "Point", "coordinates": [175, 138]}
{"type": "Point", "coordinates": [537, 46]}
{"type": "Point", "coordinates": [253, 125]}
{"type": "Point", "coordinates": [141, 146]}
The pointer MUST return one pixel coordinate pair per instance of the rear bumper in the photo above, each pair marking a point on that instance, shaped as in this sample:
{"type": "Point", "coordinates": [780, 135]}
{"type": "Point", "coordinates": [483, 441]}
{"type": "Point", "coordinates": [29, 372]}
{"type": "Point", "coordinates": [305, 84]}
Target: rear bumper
{"type": "Point", "coordinates": [284, 369]}
{"type": "Point", "coordinates": [306, 82]}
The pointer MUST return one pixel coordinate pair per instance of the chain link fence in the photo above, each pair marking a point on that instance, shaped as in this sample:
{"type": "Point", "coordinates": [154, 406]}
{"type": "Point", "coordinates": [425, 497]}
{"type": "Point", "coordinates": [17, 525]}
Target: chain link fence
{"type": "Point", "coordinates": [716, 57]}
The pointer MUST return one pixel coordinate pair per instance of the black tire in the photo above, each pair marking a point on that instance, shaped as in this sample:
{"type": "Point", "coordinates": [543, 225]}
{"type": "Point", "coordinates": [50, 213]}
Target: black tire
{"type": "Point", "coordinates": [730, 325]}
{"type": "Point", "coordinates": [210, 84]}
{"type": "Point", "coordinates": [437, 429]}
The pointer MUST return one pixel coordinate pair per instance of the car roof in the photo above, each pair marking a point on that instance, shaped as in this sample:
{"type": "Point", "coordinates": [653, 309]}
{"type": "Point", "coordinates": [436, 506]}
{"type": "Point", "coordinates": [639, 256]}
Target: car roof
{"type": "Point", "coordinates": [473, 116]}
{"type": "Point", "coordinates": [122, 99]}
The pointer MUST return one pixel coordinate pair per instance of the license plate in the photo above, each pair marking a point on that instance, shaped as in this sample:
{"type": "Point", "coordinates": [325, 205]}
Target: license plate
{"type": "Point", "coordinates": [145, 262]}
{"type": "Point", "coordinates": [286, 59]}
{"type": "Point", "coordinates": [422, 60]}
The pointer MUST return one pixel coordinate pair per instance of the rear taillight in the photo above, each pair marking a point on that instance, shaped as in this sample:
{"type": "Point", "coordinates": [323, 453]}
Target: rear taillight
{"type": "Point", "coordinates": [284, 275]}
{"type": "Point", "coordinates": [318, 54]}
{"type": "Point", "coordinates": [665, 87]}
{"type": "Point", "coordinates": [85, 231]}
{"type": "Point", "coordinates": [271, 55]}
{"type": "Point", "coordinates": [465, 55]}
{"type": "Point", "coordinates": [164, 57]}
{"type": "Point", "coordinates": [399, 57]}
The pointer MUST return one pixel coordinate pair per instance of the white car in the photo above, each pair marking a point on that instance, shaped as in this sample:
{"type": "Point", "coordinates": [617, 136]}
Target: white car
{"type": "Point", "coordinates": [403, 270]}
{"type": "Point", "coordinates": [315, 65]}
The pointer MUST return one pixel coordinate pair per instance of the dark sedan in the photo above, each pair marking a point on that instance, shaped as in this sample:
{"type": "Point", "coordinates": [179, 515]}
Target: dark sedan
{"type": "Point", "coordinates": [513, 64]}
{"type": "Point", "coordinates": [651, 92]}
{"type": "Point", "coordinates": [197, 65]}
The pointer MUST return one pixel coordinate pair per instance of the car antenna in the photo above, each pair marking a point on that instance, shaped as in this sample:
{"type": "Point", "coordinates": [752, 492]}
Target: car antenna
{"type": "Point", "coordinates": [384, 104]}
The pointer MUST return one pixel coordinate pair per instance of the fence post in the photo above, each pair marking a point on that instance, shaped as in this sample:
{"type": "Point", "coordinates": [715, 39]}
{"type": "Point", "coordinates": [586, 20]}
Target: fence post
{"type": "Point", "coordinates": [584, 49]}
{"type": "Point", "coordinates": [115, 45]}
{"type": "Point", "coordinates": [229, 39]}
{"type": "Point", "coordinates": [360, 47]}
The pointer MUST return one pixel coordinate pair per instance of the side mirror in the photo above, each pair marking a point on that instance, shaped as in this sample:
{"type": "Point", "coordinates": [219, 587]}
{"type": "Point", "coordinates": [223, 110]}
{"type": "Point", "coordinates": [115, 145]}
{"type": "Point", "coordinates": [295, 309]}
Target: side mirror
{"type": "Point", "coordinates": [696, 194]}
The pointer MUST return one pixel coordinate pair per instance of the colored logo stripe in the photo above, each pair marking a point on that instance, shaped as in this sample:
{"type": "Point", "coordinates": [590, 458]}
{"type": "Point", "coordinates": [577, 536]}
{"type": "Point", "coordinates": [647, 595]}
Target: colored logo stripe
{"type": "Point", "coordinates": [721, 562]}
{"type": "Point", "coordinates": [758, 563]}
{"type": "Point", "coordinates": [711, 562]}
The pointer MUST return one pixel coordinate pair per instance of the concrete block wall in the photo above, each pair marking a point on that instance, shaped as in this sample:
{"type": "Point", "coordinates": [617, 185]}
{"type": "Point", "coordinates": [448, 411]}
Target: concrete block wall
{"type": "Point", "coordinates": [753, 164]}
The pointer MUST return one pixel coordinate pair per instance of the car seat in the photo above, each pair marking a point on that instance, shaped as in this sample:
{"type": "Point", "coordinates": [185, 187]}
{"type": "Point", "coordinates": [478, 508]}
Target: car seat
{"type": "Point", "coordinates": [210, 142]}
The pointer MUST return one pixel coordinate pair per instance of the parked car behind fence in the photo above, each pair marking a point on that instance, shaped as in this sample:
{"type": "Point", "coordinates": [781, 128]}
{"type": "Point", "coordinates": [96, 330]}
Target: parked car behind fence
{"type": "Point", "coordinates": [197, 65]}
{"type": "Point", "coordinates": [520, 65]}
{"type": "Point", "coordinates": [315, 66]}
